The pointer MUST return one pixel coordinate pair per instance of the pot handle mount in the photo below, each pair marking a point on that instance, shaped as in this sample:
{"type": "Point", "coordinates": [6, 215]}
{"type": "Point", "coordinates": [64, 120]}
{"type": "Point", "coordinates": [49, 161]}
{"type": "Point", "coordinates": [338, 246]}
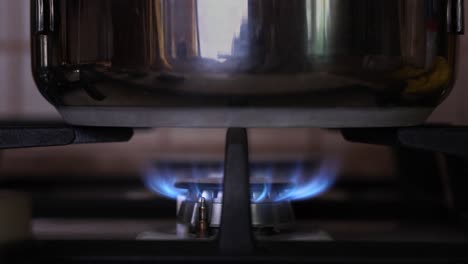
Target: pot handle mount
{"type": "Point", "coordinates": [456, 16]}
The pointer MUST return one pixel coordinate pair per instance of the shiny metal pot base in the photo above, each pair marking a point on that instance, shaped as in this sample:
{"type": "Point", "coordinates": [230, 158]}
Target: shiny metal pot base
{"type": "Point", "coordinates": [228, 117]}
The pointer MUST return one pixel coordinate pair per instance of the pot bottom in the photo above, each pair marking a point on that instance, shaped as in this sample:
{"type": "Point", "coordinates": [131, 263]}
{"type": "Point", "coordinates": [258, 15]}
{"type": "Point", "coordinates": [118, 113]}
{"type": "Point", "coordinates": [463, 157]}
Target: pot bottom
{"type": "Point", "coordinates": [344, 117]}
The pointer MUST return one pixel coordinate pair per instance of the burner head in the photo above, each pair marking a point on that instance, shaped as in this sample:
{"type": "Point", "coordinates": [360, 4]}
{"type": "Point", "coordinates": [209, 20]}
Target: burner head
{"type": "Point", "coordinates": [266, 213]}
{"type": "Point", "coordinates": [274, 215]}
{"type": "Point", "coordinates": [272, 185]}
{"type": "Point", "coordinates": [261, 188]}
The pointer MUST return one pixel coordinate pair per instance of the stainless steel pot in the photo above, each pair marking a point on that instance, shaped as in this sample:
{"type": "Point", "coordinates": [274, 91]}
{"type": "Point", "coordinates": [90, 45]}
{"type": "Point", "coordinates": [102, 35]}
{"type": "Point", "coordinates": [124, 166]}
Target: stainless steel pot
{"type": "Point", "coordinates": [250, 63]}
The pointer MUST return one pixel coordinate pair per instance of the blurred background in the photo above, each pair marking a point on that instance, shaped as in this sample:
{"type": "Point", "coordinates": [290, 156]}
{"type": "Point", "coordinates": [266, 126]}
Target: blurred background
{"type": "Point", "coordinates": [20, 100]}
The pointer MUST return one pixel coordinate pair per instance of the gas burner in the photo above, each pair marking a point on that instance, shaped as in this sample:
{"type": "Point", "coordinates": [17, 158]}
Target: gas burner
{"type": "Point", "coordinates": [270, 181]}
{"type": "Point", "coordinates": [267, 213]}
{"type": "Point", "coordinates": [199, 190]}
{"type": "Point", "coordinates": [235, 204]}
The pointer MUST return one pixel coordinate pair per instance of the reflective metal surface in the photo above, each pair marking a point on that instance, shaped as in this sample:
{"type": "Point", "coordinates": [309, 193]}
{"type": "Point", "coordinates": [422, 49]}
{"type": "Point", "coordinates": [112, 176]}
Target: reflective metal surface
{"type": "Point", "coordinates": [229, 55]}
{"type": "Point", "coordinates": [266, 210]}
{"type": "Point", "coordinates": [275, 216]}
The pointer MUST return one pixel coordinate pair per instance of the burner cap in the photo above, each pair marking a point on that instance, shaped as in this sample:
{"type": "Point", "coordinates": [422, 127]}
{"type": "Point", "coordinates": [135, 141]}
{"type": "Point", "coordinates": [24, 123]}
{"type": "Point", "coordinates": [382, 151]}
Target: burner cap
{"type": "Point", "coordinates": [215, 184]}
{"type": "Point", "coordinates": [265, 213]}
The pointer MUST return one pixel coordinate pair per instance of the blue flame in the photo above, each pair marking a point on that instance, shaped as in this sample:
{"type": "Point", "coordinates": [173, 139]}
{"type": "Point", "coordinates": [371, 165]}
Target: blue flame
{"type": "Point", "coordinates": [196, 174]}
{"type": "Point", "coordinates": [309, 186]}
{"type": "Point", "coordinates": [266, 187]}
{"type": "Point", "coordinates": [304, 183]}
{"type": "Point", "coordinates": [263, 196]}
{"type": "Point", "coordinates": [161, 181]}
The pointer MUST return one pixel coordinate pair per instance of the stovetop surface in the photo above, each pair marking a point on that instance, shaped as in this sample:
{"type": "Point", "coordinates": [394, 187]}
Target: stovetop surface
{"type": "Point", "coordinates": [305, 230]}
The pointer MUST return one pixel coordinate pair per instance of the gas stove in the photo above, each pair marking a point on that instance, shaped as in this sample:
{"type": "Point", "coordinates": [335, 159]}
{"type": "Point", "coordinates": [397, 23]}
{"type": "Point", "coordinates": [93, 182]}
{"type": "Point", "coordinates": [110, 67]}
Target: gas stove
{"type": "Point", "coordinates": [270, 211]}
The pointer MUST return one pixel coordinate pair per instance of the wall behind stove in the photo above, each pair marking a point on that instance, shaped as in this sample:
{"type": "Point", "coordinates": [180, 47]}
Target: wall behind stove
{"type": "Point", "coordinates": [18, 96]}
{"type": "Point", "coordinates": [19, 99]}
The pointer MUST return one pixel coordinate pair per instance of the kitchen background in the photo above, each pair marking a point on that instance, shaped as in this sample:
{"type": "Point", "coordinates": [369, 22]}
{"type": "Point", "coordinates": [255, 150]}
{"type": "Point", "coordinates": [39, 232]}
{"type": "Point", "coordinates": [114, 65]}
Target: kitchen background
{"type": "Point", "coordinates": [20, 100]}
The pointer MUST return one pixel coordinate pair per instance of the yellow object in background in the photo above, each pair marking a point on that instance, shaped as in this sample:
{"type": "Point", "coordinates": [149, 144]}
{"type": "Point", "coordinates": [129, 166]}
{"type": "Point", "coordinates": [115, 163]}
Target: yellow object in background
{"type": "Point", "coordinates": [419, 81]}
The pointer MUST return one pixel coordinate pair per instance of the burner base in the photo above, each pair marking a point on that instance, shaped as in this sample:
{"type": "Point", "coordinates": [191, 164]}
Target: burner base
{"type": "Point", "coordinates": [275, 216]}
